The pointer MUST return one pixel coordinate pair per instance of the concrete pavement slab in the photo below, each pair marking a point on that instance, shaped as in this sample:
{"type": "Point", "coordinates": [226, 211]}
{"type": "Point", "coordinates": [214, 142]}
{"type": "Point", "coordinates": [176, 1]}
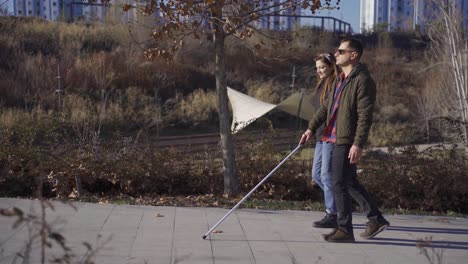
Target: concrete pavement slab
{"type": "Point", "coordinates": [150, 234]}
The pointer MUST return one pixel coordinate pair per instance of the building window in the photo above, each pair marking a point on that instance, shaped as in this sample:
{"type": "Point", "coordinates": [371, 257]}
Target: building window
{"type": "Point", "coordinates": [30, 12]}
{"type": "Point", "coordinates": [20, 12]}
{"type": "Point", "coordinates": [54, 3]}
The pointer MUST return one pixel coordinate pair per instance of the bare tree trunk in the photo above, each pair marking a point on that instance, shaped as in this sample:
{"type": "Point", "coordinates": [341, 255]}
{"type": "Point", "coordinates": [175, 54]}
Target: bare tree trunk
{"type": "Point", "coordinates": [231, 180]}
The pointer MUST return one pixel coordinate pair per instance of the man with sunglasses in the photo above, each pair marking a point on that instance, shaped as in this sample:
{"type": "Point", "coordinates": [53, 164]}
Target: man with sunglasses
{"type": "Point", "coordinates": [348, 118]}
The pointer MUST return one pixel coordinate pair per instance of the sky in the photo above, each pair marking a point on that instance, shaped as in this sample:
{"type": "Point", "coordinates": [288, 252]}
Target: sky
{"type": "Point", "coordinates": [348, 12]}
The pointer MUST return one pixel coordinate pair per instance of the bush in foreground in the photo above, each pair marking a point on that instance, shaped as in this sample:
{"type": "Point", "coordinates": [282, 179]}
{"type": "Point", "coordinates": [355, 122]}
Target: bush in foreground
{"type": "Point", "coordinates": [432, 180]}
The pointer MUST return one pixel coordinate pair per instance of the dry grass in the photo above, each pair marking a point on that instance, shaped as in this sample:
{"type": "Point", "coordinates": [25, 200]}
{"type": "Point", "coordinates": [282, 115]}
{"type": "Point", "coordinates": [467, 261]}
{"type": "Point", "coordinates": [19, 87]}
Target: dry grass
{"type": "Point", "coordinates": [9, 117]}
{"type": "Point", "coordinates": [198, 107]}
{"type": "Point", "coordinates": [267, 91]}
{"type": "Point", "coordinates": [391, 134]}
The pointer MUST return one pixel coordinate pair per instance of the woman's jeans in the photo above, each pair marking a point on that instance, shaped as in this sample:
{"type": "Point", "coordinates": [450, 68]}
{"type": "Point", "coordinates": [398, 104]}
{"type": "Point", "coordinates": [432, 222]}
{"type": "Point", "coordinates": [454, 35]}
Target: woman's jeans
{"type": "Point", "coordinates": [321, 173]}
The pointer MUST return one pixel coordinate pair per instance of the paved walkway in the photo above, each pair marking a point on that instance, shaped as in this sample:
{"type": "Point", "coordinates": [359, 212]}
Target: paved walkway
{"type": "Point", "coordinates": [169, 235]}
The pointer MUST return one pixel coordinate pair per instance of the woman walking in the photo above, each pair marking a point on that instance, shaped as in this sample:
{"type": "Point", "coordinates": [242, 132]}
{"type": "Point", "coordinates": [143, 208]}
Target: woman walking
{"type": "Point", "coordinates": [327, 72]}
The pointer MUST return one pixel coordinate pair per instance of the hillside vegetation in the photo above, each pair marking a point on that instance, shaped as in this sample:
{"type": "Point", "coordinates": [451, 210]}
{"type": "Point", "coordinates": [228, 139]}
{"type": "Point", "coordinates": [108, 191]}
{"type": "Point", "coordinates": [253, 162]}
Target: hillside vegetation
{"type": "Point", "coordinates": [110, 89]}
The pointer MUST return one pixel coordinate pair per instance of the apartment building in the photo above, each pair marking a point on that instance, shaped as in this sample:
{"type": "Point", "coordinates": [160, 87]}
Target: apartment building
{"type": "Point", "coordinates": [402, 15]}
{"type": "Point", "coordinates": [55, 9]}
{"type": "Point", "coordinates": [274, 22]}
{"type": "Point", "coordinates": [47, 9]}
{"type": "Point", "coordinates": [96, 11]}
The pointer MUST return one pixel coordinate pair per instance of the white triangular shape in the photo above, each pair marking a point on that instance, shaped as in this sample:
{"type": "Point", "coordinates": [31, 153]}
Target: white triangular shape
{"type": "Point", "coordinates": [245, 109]}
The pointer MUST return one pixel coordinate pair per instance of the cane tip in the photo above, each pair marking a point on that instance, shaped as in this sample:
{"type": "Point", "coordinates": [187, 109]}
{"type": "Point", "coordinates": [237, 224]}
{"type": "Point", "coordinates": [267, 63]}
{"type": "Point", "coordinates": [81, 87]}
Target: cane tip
{"type": "Point", "coordinates": [204, 237]}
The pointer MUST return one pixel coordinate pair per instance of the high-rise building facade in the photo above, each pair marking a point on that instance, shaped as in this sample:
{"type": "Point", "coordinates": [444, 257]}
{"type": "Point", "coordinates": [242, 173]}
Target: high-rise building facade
{"type": "Point", "coordinates": [402, 15]}
{"type": "Point", "coordinates": [54, 9]}
{"type": "Point", "coordinates": [47, 9]}
{"type": "Point", "coordinates": [276, 21]}
{"type": "Point", "coordinates": [96, 11]}
{"type": "Point", "coordinates": [367, 18]}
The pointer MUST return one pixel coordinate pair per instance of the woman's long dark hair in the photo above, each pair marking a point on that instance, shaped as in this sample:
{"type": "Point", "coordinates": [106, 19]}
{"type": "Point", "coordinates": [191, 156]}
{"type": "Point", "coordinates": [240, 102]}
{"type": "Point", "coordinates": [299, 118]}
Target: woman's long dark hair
{"type": "Point", "coordinates": [326, 84]}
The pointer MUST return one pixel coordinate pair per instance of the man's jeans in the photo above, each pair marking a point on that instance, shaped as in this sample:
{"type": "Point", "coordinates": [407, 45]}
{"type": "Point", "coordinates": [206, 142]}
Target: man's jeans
{"type": "Point", "coordinates": [346, 185]}
{"type": "Point", "coordinates": [321, 173]}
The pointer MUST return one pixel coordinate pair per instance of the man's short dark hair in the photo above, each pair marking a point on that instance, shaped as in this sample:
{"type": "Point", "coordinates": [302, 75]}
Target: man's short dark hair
{"type": "Point", "coordinates": [354, 44]}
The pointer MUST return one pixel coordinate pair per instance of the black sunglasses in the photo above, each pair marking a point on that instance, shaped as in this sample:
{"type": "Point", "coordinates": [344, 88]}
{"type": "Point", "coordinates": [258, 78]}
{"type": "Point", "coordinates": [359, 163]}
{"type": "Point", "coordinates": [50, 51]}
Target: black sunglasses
{"type": "Point", "coordinates": [343, 51]}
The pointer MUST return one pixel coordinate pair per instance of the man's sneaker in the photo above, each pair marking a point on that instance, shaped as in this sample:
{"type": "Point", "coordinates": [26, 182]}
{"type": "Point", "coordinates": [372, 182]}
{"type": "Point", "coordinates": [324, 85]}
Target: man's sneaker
{"type": "Point", "coordinates": [329, 221]}
{"type": "Point", "coordinates": [374, 228]}
{"type": "Point", "coordinates": [326, 236]}
{"type": "Point", "coordinates": [340, 237]}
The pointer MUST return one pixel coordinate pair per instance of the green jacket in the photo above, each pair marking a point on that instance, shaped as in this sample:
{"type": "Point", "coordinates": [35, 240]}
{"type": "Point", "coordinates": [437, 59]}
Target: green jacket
{"type": "Point", "coordinates": [354, 116]}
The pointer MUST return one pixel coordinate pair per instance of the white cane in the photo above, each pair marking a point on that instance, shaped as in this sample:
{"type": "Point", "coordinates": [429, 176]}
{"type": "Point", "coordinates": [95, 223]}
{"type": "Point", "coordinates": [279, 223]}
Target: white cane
{"type": "Point", "coordinates": [253, 190]}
